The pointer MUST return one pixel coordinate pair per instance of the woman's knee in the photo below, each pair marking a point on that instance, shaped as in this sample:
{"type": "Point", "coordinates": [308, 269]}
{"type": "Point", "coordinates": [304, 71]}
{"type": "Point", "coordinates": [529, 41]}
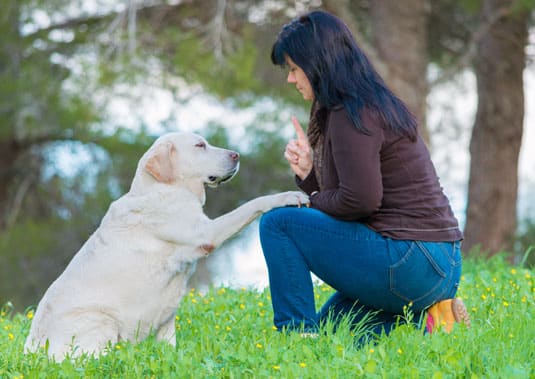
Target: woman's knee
{"type": "Point", "coordinates": [274, 218]}
{"type": "Point", "coordinates": [267, 221]}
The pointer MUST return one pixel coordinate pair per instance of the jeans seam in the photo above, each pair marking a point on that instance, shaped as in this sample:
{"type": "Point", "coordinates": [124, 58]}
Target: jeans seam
{"type": "Point", "coordinates": [431, 260]}
{"type": "Point", "coordinates": [349, 235]}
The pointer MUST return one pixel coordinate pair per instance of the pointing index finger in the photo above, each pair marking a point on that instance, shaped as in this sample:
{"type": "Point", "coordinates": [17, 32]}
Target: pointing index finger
{"type": "Point", "coordinates": [298, 129]}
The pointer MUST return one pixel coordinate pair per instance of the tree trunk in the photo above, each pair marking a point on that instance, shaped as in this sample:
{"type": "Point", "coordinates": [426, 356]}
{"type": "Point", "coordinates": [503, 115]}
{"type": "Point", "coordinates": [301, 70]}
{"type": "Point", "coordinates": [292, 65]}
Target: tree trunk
{"type": "Point", "coordinates": [9, 153]}
{"type": "Point", "coordinates": [10, 57]}
{"type": "Point", "coordinates": [398, 50]}
{"type": "Point", "coordinates": [400, 37]}
{"type": "Point", "coordinates": [497, 133]}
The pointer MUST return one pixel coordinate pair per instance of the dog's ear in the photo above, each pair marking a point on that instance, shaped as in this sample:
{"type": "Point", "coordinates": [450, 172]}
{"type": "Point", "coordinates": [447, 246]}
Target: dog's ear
{"type": "Point", "coordinates": [161, 163]}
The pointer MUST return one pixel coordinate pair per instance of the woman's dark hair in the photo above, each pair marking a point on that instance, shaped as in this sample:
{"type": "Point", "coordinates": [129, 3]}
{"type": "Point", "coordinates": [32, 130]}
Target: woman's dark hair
{"type": "Point", "coordinates": [339, 72]}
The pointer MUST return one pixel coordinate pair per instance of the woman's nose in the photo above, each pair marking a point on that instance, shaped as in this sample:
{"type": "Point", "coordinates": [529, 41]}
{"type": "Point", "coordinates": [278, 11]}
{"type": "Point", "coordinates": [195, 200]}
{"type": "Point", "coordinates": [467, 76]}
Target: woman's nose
{"type": "Point", "coordinates": [291, 78]}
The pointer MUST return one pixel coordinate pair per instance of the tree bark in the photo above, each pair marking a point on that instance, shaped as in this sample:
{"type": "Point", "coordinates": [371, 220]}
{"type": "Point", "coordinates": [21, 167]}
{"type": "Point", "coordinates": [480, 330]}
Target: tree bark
{"type": "Point", "coordinates": [398, 50]}
{"type": "Point", "coordinates": [400, 37]}
{"type": "Point", "coordinates": [491, 216]}
{"type": "Point", "coordinates": [10, 57]}
{"type": "Point", "coordinates": [10, 151]}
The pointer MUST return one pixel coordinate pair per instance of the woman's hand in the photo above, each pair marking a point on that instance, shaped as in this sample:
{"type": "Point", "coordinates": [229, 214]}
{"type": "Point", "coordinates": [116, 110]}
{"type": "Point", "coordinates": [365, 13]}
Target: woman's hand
{"type": "Point", "coordinates": [299, 153]}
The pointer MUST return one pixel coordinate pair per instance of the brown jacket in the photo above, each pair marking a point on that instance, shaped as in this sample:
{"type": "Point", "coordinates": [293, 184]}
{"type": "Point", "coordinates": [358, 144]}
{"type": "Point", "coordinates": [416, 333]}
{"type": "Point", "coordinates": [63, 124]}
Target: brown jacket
{"type": "Point", "coordinates": [383, 180]}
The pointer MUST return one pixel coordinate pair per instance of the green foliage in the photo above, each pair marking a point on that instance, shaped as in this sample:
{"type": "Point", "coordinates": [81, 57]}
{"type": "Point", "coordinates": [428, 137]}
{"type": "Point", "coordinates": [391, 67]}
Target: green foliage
{"type": "Point", "coordinates": [227, 333]}
{"type": "Point", "coordinates": [524, 5]}
{"type": "Point", "coordinates": [35, 103]}
{"type": "Point", "coordinates": [225, 77]}
{"type": "Point", "coordinates": [33, 254]}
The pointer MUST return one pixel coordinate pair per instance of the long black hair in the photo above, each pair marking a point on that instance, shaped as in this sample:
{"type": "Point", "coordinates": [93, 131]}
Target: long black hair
{"type": "Point", "coordinates": [339, 71]}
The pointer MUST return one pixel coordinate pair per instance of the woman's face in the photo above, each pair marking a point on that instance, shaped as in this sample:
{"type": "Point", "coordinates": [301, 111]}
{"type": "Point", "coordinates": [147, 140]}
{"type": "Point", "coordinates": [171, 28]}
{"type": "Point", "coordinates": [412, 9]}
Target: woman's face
{"type": "Point", "coordinates": [297, 76]}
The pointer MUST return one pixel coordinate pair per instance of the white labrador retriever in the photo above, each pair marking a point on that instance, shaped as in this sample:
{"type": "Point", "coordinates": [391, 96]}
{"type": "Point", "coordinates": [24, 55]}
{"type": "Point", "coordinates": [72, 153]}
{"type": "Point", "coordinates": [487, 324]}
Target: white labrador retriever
{"type": "Point", "coordinates": [127, 280]}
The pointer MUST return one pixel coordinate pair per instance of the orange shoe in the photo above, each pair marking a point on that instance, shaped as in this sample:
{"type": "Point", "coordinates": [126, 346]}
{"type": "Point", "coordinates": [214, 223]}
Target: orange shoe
{"type": "Point", "coordinates": [445, 314]}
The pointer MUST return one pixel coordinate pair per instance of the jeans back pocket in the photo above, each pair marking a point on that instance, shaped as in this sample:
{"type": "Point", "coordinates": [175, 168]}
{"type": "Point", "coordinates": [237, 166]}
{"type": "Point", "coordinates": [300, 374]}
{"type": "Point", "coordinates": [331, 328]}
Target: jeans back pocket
{"type": "Point", "coordinates": [421, 272]}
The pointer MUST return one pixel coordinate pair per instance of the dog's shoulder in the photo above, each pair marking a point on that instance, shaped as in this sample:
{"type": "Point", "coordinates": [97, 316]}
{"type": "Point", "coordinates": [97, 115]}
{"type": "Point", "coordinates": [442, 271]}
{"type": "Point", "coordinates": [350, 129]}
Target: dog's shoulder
{"type": "Point", "coordinates": [142, 208]}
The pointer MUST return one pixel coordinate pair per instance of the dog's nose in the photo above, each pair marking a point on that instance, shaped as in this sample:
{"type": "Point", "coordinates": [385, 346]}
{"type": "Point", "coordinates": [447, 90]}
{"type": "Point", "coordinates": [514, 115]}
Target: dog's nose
{"type": "Point", "coordinates": [234, 156]}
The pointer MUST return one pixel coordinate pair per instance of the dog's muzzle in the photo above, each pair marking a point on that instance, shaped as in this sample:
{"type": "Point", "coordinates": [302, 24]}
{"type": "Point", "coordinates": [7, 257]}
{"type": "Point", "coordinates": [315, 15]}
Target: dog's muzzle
{"type": "Point", "coordinates": [214, 181]}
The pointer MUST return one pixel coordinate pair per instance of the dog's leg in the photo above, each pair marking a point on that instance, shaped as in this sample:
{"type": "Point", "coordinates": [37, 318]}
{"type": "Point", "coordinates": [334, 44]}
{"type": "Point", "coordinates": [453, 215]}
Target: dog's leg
{"type": "Point", "coordinates": [206, 234]}
{"type": "Point", "coordinates": [222, 228]}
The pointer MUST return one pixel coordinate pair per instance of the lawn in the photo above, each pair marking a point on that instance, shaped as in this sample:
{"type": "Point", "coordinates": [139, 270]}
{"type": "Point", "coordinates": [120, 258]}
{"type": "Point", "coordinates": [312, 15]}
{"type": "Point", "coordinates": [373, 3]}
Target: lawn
{"type": "Point", "coordinates": [227, 333]}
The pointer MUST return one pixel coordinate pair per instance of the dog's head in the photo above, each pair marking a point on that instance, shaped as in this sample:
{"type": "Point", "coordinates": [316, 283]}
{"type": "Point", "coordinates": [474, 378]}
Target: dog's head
{"type": "Point", "coordinates": [186, 156]}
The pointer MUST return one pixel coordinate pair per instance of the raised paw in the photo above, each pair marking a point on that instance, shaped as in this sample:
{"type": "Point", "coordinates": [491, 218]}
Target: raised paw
{"type": "Point", "coordinates": [295, 198]}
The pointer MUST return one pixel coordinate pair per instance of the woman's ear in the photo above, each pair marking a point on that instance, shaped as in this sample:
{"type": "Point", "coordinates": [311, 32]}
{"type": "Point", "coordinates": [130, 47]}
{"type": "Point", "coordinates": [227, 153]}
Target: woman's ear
{"type": "Point", "coordinates": [161, 164]}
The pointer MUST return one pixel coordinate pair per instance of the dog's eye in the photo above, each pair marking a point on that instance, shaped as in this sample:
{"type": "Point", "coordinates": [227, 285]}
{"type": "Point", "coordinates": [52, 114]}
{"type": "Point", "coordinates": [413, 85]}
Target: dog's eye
{"type": "Point", "coordinates": [202, 145]}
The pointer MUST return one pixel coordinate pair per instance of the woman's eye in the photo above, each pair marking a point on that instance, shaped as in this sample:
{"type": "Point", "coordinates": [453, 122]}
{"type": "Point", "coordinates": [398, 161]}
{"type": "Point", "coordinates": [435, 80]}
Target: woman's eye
{"type": "Point", "coordinates": [201, 145]}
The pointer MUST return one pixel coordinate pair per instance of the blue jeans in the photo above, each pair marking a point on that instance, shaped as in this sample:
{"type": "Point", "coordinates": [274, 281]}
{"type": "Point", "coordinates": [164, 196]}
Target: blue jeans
{"type": "Point", "coordinates": [371, 274]}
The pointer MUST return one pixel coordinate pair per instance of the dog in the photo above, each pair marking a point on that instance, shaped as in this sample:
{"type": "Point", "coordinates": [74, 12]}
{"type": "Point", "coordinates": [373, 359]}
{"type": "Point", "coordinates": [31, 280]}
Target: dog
{"type": "Point", "coordinates": [129, 277]}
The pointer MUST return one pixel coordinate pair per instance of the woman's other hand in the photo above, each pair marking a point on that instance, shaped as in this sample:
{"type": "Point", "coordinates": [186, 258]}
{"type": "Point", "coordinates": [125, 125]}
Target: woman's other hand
{"type": "Point", "coordinates": [298, 152]}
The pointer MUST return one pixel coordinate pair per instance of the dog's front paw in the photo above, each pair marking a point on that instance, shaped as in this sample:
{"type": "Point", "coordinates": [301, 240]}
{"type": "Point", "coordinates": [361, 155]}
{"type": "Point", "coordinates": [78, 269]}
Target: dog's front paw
{"type": "Point", "coordinates": [293, 198]}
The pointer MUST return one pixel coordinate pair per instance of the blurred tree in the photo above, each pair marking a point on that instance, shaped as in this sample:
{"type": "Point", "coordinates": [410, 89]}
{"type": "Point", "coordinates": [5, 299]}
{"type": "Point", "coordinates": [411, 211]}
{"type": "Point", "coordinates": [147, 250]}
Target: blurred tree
{"type": "Point", "coordinates": [497, 132]}
{"type": "Point", "coordinates": [45, 215]}
{"type": "Point", "coordinates": [34, 107]}
{"type": "Point", "coordinates": [394, 36]}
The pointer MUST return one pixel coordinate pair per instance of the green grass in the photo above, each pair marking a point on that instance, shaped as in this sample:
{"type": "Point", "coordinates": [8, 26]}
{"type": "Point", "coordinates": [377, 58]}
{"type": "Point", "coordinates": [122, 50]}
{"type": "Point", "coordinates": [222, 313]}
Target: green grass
{"type": "Point", "coordinates": [228, 333]}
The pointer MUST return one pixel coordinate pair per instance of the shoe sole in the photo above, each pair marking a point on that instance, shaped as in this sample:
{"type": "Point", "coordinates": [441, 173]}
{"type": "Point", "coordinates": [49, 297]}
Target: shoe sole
{"type": "Point", "coordinates": [460, 313]}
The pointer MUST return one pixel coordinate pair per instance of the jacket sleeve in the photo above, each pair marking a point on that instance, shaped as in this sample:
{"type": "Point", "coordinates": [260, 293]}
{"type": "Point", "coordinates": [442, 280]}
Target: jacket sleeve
{"type": "Point", "coordinates": [357, 162]}
{"type": "Point", "coordinates": [309, 184]}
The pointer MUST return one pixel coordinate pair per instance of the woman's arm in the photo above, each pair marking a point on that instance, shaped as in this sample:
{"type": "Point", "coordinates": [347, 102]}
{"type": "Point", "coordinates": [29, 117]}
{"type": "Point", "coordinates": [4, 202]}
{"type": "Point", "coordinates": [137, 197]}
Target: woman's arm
{"type": "Point", "coordinates": [357, 162]}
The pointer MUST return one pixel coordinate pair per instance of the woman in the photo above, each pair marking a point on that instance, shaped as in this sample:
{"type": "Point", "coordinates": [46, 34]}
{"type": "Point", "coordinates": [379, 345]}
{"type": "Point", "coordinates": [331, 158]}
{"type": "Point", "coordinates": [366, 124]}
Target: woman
{"type": "Point", "coordinates": [379, 229]}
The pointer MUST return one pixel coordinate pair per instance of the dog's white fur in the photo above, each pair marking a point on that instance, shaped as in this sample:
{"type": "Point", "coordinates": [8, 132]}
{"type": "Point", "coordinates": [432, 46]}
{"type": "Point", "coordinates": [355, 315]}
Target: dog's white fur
{"type": "Point", "coordinates": [127, 280]}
